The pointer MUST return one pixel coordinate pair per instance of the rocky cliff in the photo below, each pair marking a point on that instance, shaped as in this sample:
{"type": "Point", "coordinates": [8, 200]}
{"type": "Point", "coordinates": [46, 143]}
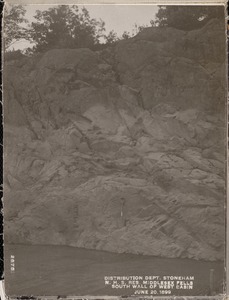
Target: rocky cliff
{"type": "Point", "coordinates": [121, 149]}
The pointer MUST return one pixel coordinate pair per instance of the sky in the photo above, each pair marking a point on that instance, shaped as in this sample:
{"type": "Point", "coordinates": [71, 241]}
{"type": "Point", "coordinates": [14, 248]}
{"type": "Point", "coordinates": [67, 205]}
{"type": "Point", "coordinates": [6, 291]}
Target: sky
{"type": "Point", "coordinates": [119, 18]}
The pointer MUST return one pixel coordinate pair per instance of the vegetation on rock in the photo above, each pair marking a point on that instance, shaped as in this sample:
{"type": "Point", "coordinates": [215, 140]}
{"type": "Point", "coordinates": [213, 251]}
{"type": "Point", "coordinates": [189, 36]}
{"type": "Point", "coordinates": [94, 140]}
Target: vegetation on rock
{"type": "Point", "coordinates": [186, 17]}
{"type": "Point", "coordinates": [68, 26]}
{"type": "Point", "coordinates": [14, 25]}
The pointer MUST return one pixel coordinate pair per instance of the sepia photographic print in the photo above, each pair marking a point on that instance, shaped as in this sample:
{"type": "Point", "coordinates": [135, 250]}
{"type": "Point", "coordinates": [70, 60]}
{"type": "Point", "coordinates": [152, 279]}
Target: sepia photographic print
{"type": "Point", "coordinates": [114, 150]}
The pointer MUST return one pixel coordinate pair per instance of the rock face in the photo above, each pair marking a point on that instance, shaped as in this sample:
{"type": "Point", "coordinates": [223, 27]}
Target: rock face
{"type": "Point", "coordinates": [121, 149]}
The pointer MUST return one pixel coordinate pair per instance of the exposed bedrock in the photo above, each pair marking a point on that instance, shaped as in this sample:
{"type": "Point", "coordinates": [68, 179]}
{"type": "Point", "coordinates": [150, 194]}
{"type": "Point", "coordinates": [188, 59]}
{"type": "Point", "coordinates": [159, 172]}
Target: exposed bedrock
{"type": "Point", "coordinates": [121, 149]}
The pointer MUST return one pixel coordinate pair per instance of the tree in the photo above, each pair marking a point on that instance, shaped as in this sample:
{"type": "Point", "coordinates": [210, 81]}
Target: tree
{"type": "Point", "coordinates": [136, 29]}
{"type": "Point", "coordinates": [111, 37]}
{"type": "Point", "coordinates": [14, 25]}
{"type": "Point", "coordinates": [65, 26]}
{"type": "Point", "coordinates": [186, 17]}
{"type": "Point", "coordinates": [126, 35]}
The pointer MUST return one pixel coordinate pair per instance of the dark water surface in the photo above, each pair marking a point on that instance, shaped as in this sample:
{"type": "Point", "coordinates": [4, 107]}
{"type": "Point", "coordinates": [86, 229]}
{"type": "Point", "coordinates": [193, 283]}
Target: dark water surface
{"type": "Point", "coordinates": [63, 270]}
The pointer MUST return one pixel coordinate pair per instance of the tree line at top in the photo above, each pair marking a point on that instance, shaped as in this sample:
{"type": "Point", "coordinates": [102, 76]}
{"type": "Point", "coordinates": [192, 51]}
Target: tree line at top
{"type": "Point", "coordinates": [67, 26]}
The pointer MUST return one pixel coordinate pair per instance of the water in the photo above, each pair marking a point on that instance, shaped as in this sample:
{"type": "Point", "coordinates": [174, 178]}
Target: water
{"type": "Point", "coordinates": [62, 270]}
